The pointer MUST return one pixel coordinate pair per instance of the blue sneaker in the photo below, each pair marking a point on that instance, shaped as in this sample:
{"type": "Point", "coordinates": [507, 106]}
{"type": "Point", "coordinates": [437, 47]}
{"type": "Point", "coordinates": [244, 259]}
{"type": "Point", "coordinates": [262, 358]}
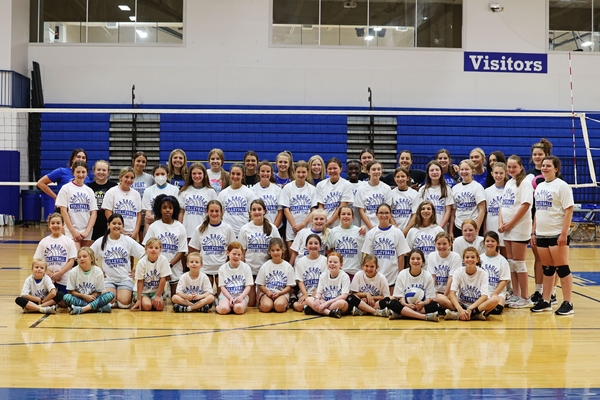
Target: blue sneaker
{"type": "Point", "coordinates": [76, 310]}
{"type": "Point", "coordinates": [105, 309]}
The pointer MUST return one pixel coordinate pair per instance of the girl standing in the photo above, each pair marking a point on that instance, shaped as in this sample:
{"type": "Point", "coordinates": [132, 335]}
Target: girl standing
{"type": "Point", "coordinates": [38, 293]}
{"type": "Point", "coordinates": [63, 175]}
{"type": "Point", "coordinates": [365, 157]}
{"type": "Point", "coordinates": [319, 227]}
{"type": "Point", "coordinates": [438, 193]}
{"type": "Point", "coordinates": [297, 200]}
{"type": "Point", "coordinates": [116, 251]}
{"type": "Point", "coordinates": [333, 192]}
{"type": "Point", "coordinates": [554, 211]}
{"type": "Point", "coordinates": [127, 202]}
{"type": "Point", "coordinates": [316, 170]}
{"type": "Point", "coordinates": [177, 168]}
{"type": "Point", "coordinates": [275, 279]}
{"type": "Point", "coordinates": [498, 273]}
{"type": "Point", "coordinates": [477, 156]}
{"type": "Point", "coordinates": [151, 275]}
{"type": "Point", "coordinates": [78, 206]}
{"type": "Point", "coordinates": [493, 158]}
{"type": "Point", "coordinates": [469, 238]}
{"type": "Point", "coordinates": [100, 186]}
{"type": "Point", "coordinates": [469, 199]}
{"type": "Point", "coordinates": [417, 176]}
{"type": "Point", "coordinates": [332, 292]}
{"type": "Point", "coordinates": [422, 235]}
{"type": "Point", "coordinates": [194, 290]}
{"type": "Point", "coordinates": [235, 282]}
{"type": "Point", "coordinates": [218, 177]}
{"type": "Point", "coordinates": [387, 243]}
{"type": "Point", "coordinates": [285, 168]}
{"type": "Point", "coordinates": [236, 199]}
{"type": "Point", "coordinates": [308, 270]}
{"type": "Point", "coordinates": [171, 233]}
{"type": "Point", "coordinates": [404, 201]}
{"type": "Point", "coordinates": [211, 239]}
{"type": "Point", "coordinates": [367, 289]}
{"type": "Point", "coordinates": [142, 180]}
{"type": "Point", "coordinates": [161, 186]}
{"type": "Point", "coordinates": [58, 251]}
{"type": "Point", "coordinates": [371, 194]}
{"type": "Point", "coordinates": [347, 240]}
{"type": "Point", "coordinates": [86, 286]}
{"type": "Point", "coordinates": [250, 163]}
{"type": "Point", "coordinates": [269, 193]}
{"type": "Point", "coordinates": [449, 170]}
{"type": "Point", "coordinates": [493, 196]}
{"type": "Point", "coordinates": [194, 196]}
{"type": "Point", "coordinates": [514, 221]}
{"type": "Point", "coordinates": [441, 264]}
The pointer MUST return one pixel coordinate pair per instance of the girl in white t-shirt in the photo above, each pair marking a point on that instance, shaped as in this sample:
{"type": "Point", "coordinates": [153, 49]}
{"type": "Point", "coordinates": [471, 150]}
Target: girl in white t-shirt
{"type": "Point", "coordinates": [469, 199]}
{"type": "Point", "coordinates": [348, 240]}
{"type": "Point", "coordinates": [126, 201]}
{"type": "Point", "coordinates": [161, 186]}
{"type": "Point", "coordinates": [368, 288]}
{"type": "Point", "coordinates": [116, 251]}
{"type": "Point", "coordinates": [318, 225]}
{"type": "Point", "coordinates": [151, 274]}
{"type": "Point", "coordinates": [275, 279]}
{"type": "Point", "coordinates": [469, 238]}
{"type": "Point", "coordinates": [78, 206]}
{"type": "Point", "coordinates": [441, 264]}
{"type": "Point", "coordinates": [422, 235]}
{"type": "Point", "coordinates": [269, 193]}
{"type": "Point", "coordinates": [38, 293]}
{"type": "Point", "coordinates": [297, 200]}
{"type": "Point", "coordinates": [498, 274]}
{"type": "Point", "coordinates": [439, 193]}
{"type": "Point", "coordinates": [194, 197]}
{"type": "Point", "coordinates": [371, 194]}
{"type": "Point", "coordinates": [194, 289]}
{"type": "Point", "coordinates": [404, 201]}
{"type": "Point", "coordinates": [219, 178]}
{"type": "Point", "coordinates": [235, 281]}
{"type": "Point", "coordinates": [334, 191]}
{"type": "Point", "coordinates": [332, 292]}
{"type": "Point", "coordinates": [493, 196]}
{"type": "Point", "coordinates": [236, 199]}
{"type": "Point", "coordinates": [58, 251]}
{"type": "Point", "coordinates": [308, 270]}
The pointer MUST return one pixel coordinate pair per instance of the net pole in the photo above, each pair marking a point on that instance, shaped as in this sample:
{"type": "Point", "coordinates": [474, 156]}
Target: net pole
{"type": "Point", "coordinates": [586, 140]}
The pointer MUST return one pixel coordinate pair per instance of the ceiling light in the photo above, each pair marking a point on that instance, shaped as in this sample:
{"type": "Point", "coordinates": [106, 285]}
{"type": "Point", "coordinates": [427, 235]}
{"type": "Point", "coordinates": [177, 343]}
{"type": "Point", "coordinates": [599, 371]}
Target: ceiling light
{"type": "Point", "coordinates": [370, 35]}
{"type": "Point", "coordinates": [402, 28]}
{"type": "Point", "coordinates": [587, 44]}
{"type": "Point", "coordinates": [132, 18]}
{"type": "Point", "coordinates": [141, 33]}
{"type": "Point", "coordinates": [124, 8]}
{"type": "Point", "coordinates": [377, 28]}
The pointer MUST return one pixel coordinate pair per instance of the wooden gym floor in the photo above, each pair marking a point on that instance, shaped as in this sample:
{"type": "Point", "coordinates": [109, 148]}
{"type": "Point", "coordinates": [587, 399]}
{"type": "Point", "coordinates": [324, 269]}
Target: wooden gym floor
{"type": "Point", "coordinates": [167, 355]}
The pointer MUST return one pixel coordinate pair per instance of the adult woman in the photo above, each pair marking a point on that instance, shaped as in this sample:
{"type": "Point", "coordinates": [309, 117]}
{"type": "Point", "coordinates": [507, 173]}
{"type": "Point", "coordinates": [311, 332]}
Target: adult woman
{"type": "Point", "coordinates": [417, 176]}
{"type": "Point", "coordinates": [63, 175]}
{"type": "Point", "coordinates": [477, 156]}
{"type": "Point", "coordinates": [493, 158]}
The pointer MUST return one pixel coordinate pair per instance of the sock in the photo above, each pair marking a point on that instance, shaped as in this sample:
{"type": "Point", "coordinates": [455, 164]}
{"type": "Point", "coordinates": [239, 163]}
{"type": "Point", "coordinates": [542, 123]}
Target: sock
{"type": "Point", "coordinates": [554, 291]}
{"type": "Point", "coordinates": [539, 287]}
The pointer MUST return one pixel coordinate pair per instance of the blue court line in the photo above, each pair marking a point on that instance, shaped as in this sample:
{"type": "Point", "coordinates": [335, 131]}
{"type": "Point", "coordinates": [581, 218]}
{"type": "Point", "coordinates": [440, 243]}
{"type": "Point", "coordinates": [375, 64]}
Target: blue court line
{"type": "Point", "coordinates": [363, 394]}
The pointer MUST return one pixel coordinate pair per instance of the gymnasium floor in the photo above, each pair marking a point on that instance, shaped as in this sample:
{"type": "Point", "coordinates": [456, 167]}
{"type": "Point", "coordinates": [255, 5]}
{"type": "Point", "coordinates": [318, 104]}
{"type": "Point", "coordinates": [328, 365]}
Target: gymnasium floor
{"type": "Point", "coordinates": [203, 356]}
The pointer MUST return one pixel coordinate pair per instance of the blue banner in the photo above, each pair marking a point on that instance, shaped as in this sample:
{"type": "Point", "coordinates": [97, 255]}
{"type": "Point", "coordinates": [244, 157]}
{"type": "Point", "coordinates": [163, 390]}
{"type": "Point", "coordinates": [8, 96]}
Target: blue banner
{"type": "Point", "coordinates": [521, 63]}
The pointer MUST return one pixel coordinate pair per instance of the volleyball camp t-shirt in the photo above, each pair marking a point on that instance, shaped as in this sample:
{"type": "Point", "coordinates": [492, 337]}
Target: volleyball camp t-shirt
{"type": "Point", "coordinates": [404, 204]}
{"type": "Point", "coordinates": [406, 281]}
{"type": "Point", "coordinates": [116, 256]}
{"type": "Point", "coordinates": [151, 273]}
{"type": "Point", "coordinates": [375, 286]}
{"type": "Point", "coordinates": [256, 242]}
{"type": "Point", "coordinates": [443, 268]}
{"type": "Point", "coordinates": [88, 282]}
{"type": "Point", "coordinates": [79, 202]}
{"type": "Point", "coordinates": [498, 270]}
{"type": "Point", "coordinates": [551, 200]}
{"type": "Point", "coordinates": [369, 197]}
{"type": "Point", "coordinates": [331, 195]}
{"type": "Point", "coordinates": [469, 288]}
{"type": "Point", "coordinates": [299, 201]}
{"type": "Point", "coordinates": [39, 289]}
{"type": "Point", "coordinates": [194, 286]}
{"type": "Point", "coordinates": [308, 272]}
{"type": "Point", "coordinates": [193, 202]}
{"type": "Point", "coordinates": [349, 243]}
{"type": "Point", "coordinates": [236, 206]}
{"type": "Point", "coordinates": [275, 277]}
{"type": "Point", "coordinates": [56, 252]}
{"type": "Point", "coordinates": [493, 196]}
{"type": "Point", "coordinates": [330, 288]}
{"type": "Point", "coordinates": [466, 199]}
{"type": "Point", "coordinates": [235, 279]}
{"type": "Point", "coordinates": [387, 245]}
{"type": "Point", "coordinates": [174, 240]}
{"type": "Point", "coordinates": [212, 244]}
{"type": "Point", "coordinates": [512, 200]}
{"type": "Point", "coordinates": [128, 204]}
{"type": "Point", "coordinates": [270, 196]}
{"type": "Point", "coordinates": [434, 195]}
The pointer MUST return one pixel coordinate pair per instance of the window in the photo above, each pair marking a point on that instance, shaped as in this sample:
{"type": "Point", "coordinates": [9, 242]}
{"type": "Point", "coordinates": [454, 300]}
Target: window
{"type": "Point", "coordinates": [368, 23]}
{"type": "Point", "coordinates": [106, 21]}
{"type": "Point", "coordinates": [574, 25]}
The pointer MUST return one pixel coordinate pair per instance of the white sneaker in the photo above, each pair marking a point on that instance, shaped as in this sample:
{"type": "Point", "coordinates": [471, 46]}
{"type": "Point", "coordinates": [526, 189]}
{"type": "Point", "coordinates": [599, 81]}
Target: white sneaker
{"type": "Point", "coordinates": [356, 312]}
{"type": "Point", "coordinates": [451, 315]}
{"type": "Point", "coordinates": [522, 303]}
{"type": "Point", "coordinates": [512, 299]}
{"type": "Point", "coordinates": [384, 312]}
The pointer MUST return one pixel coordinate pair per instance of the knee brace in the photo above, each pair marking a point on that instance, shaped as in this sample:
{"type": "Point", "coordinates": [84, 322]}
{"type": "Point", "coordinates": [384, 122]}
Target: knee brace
{"type": "Point", "coordinates": [384, 303]}
{"type": "Point", "coordinates": [520, 267]}
{"type": "Point", "coordinates": [432, 307]}
{"type": "Point", "coordinates": [563, 270]}
{"type": "Point", "coordinates": [123, 306]}
{"type": "Point", "coordinates": [58, 298]}
{"type": "Point", "coordinates": [549, 271]}
{"type": "Point", "coordinates": [511, 264]}
{"type": "Point", "coordinates": [353, 301]}
{"type": "Point", "coordinates": [395, 306]}
{"type": "Point", "coordinates": [21, 302]}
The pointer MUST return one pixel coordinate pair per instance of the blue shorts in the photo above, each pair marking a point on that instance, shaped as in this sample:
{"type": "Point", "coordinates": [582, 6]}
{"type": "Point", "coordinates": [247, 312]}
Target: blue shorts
{"type": "Point", "coordinates": [127, 284]}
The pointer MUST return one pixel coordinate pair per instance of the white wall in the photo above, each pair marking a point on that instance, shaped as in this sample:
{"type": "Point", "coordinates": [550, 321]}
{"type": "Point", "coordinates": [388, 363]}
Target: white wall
{"type": "Point", "coordinates": [19, 37]}
{"type": "Point", "coordinates": [226, 59]}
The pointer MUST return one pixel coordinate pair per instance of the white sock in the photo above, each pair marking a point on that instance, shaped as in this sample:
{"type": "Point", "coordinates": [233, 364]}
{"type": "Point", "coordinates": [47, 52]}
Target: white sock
{"type": "Point", "coordinates": [539, 287]}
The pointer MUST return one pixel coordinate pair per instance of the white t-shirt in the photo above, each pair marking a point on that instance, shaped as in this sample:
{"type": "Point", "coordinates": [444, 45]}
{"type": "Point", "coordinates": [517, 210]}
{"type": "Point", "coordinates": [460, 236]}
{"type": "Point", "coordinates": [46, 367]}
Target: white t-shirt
{"type": "Point", "coordinates": [141, 182]}
{"type": "Point", "coordinates": [212, 245]}
{"type": "Point", "coordinates": [270, 195]}
{"type": "Point", "coordinates": [308, 272]}
{"type": "Point", "coordinates": [349, 243]}
{"type": "Point", "coordinates": [369, 197]}
{"type": "Point", "coordinates": [423, 238]}
{"type": "Point", "coordinates": [174, 240]}
{"type": "Point", "coordinates": [236, 279]}
{"type": "Point", "coordinates": [406, 281]}
{"type": "Point", "coordinates": [376, 286]}
{"type": "Point", "coordinates": [299, 243]}
{"type": "Point", "coordinates": [79, 201]}
{"type": "Point", "coordinates": [387, 245]}
{"type": "Point", "coordinates": [443, 268]}
{"type": "Point", "coordinates": [498, 270]}
{"type": "Point", "coordinates": [551, 201]}
{"type": "Point", "coordinates": [153, 191]}
{"type": "Point", "coordinates": [493, 196]}
{"type": "Point", "coordinates": [116, 256]}
{"type": "Point", "coordinates": [330, 288]}
{"type": "Point", "coordinates": [128, 204]}
{"type": "Point", "coordinates": [469, 288]}
{"type": "Point", "coordinates": [512, 199]}
{"type": "Point", "coordinates": [215, 180]}
{"type": "Point", "coordinates": [194, 286]}
{"type": "Point", "coordinates": [256, 244]}
{"type": "Point", "coordinates": [460, 244]}
{"type": "Point", "coordinates": [56, 252]}
{"type": "Point", "coordinates": [466, 199]}
{"type": "Point", "coordinates": [193, 203]}
{"type": "Point", "coordinates": [299, 201]}
{"type": "Point", "coordinates": [88, 282]}
{"type": "Point", "coordinates": [434, 194]}
{"type": "Point", "coordinates": [355, 186]}
{"type": "Point", "coordinates": [39, 289]}
{"type": "Point", "coordinates": [276, 277]}
{"type": "Point", "coordinates": [332, 195]}
{"type": "Point", "coordinates": [404, 204]}
{"type": "Point", "coordinates": [151, 273]}
{"type": "Point", "coordinates": [236, 206]}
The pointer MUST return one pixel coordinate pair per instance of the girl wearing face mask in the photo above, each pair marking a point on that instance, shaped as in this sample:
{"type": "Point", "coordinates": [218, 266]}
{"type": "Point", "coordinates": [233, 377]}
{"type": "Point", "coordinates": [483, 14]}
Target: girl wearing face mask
{"type": "Point", "coordinates": [161, 186]}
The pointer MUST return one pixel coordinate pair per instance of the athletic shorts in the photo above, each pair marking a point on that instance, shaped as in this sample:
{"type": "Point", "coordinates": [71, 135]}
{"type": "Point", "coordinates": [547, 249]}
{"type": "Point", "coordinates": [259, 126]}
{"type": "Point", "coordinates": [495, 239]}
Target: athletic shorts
{"type": "Point", "coordinates": [546, 242]}
{"type": "Point", "coordinates": [127, 284]}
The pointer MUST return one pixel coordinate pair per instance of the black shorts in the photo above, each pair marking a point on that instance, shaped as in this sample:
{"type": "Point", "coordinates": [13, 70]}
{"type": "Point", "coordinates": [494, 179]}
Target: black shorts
{"type": "Point", "coordinates": [552, 241]}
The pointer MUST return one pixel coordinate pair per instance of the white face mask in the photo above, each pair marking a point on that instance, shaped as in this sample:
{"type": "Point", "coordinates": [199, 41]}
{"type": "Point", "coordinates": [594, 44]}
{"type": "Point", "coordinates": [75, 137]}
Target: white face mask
{"type": "Point", "coordinates": [160, 180]}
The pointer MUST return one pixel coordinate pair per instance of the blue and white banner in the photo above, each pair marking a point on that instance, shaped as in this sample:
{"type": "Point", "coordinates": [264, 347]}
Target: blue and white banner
{"type": "Point", "coordinates": [522, 63]}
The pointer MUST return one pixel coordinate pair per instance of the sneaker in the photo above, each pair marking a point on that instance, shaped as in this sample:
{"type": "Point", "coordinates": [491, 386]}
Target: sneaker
{"type": "Point", "coordinates": [522, 303]}
{"type": "Point", "coordinates": [293, 299]}
{"type": "Point", "coordinates": [384, 312]}
{"type": "Point", "coordinates": [537, 296]}
{"type": "Point", "coordinates": [105, 309]}
{"type": "Point", "coordinates": [478, 317]}
{"type": "Point", "coordinates": [76, 310]}
{"type": "Point", "coordinates": [394, 315]}
{"type": "Point", "coordinates": [308, 310]}
{"type": "Point", "coordinates": [451, 315]}
{"type": "Point", "coordinates": [204, 309]}
{"type": "Point", "coordinates": [565, 308]}
{"type": "Point", "coordinates": [356, 312]}
{"type": "Point", "coordinates": [541, 306]}
{"type": "Point", "coordinates": [497, 310]}
{"type": "Point", "coordinates": [432, 317]}
{"type": "Point", "coordinates": [337, 313]}
{"type": "Point", "coordinates": [179, 308]}
{"type": "Point", "coordinates": [553, 299]}
{"type": "Point", "coordinates": [512, 298]}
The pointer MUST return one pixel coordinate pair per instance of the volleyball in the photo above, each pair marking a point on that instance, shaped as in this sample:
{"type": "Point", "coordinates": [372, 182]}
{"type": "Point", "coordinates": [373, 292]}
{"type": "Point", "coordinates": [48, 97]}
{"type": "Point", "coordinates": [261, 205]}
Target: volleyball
{"type": "Point", "coordinates": [413, 295]}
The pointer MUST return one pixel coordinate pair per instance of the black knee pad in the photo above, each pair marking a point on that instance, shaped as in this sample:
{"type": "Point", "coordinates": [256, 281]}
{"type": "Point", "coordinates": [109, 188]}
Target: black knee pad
{"type": "Point", "coordinates": [21, 302]}
{"type": "Point", "coordinates": [395, 306]}
{"type": "Point", "coordinates": [58, 298]}
{"type": "Point", "coordinates": [432, 307]}
{"type": "Point", "coordinates": [549, 271]}
{"type": "Point", "coordinates": [353, 301]}
{"type": "Point", "coordinates": [563, 270]}
{"type": "Point", "coordinates": [384, 303]}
